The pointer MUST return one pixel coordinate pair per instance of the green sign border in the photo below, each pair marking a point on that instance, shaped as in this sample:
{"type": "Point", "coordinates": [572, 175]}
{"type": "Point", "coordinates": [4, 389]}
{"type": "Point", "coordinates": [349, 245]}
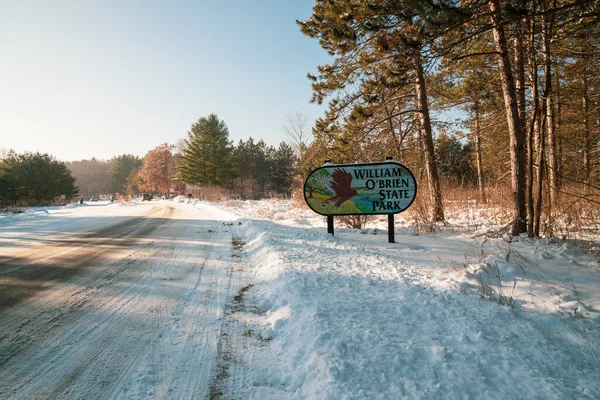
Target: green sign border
{"type": "Point", "coordinates": [334, 166]}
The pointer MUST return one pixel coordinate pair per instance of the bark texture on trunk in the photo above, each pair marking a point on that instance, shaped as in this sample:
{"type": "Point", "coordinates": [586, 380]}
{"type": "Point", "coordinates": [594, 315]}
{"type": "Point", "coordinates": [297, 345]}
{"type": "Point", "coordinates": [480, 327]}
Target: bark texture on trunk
{"type": "Point", "coordinates": [422, 158]}
{"type": "Point", "coordinates": [540, 172]}
{"type": "Point", "coordinates": [517, 137]}
{"type": "Point", "coordinates": [557, 130]}
{"type": "Point", "coordinates": [477, 132]}
{"type": "Point", "coordinates": [549, 100]}
{"type": "Point", "coordinates": [397, 139]}
{"type": "Point", "coordinates": [532, 129]}
{"type": "Point", "coordinates": [425, 122]}
{"type": "Point", "coordinates": [520, 82]}
{"type": "Point", "coordinates": [585, 102]}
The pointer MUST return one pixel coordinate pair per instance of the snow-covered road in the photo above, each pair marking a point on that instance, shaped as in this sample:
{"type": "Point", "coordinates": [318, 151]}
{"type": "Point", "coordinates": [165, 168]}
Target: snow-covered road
{"type": "Point", "coordinates": [253, 300]}
{"type": "Point", "coordinates": [131, 308]}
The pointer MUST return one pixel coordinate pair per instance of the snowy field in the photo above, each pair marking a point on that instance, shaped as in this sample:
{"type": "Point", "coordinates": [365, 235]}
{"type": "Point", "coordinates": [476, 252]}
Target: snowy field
{"type": "Point", "coordinates": [305, 315]}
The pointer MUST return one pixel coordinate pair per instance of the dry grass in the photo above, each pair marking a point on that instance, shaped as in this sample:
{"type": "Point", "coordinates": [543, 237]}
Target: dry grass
{"type": "Point", "coordinates": [356, 221]}
{"type": "Point", "coordinates": [232, 204]}
{"type": "Point", "coordinates": [215, 194]}
{"type": "Point", "coordinates": [298, 199]}
{"type": "Point", "coordinates": [575, 217]}
{"type": "Point", "coordinates": [265, 214]}
{"type": "Point", "coordinates": [420, 212]}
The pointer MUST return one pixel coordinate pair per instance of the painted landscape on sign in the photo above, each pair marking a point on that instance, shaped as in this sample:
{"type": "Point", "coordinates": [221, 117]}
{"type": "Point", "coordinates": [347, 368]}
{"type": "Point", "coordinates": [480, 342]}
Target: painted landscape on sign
{"type": "Point", "coordinates": [349, 189]}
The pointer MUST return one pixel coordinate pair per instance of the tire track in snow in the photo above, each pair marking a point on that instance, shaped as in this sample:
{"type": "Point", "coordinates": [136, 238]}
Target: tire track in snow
{"type": "Point", "coordinates": [105, 362]}
{"type": "Point", "coordinates": [139, 321]}
{"type": "Point", "coordinates": [202, 334]}
{"type": "Point", "coordinates": [234, 334]}
{"type": "Point", "coordinates": [156, 366]}
{"type": "Point", "coordinates": [23, 276]}
{"type": "Point", "coordinates": [20, 328]}
{"type": "Point", "coordinates": [46, 331]}
{"type": "Point", "coordinates": [64, 243]}
{"type": "Point", "coordinates": [51, 355]}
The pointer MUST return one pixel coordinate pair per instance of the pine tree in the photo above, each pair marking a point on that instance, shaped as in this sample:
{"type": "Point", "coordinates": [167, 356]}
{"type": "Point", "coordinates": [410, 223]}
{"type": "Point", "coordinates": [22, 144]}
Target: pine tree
{"type": "Point", "coordinates": [252, 166]}
{"type": "Point", "coordinates": [207, 156]}
{"type": "Point", "coordinates": [455, 159]}
{"type": "Point", "coordinates": [517, 119]}
{"type": "Point", "coordinates": [133, 183]}
{"type": "Point", "coordinates": [283, 169]}
{"type": "Point", "coordinates": [36, 178]}
{"type": "Point", "coordinates": [380, 48]}
{"type": "Point", "coordinates": [121, 167]}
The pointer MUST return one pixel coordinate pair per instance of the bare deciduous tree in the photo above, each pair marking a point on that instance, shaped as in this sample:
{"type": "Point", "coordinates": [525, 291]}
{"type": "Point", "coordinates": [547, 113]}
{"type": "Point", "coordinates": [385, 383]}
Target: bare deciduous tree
{"type": "Point", "coordinates": [296, 128]}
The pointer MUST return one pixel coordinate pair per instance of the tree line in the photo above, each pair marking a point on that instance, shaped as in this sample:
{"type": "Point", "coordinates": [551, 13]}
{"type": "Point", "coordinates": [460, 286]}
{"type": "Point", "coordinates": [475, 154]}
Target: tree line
{"type": "Point", "coordinates": [525, 72]}
{"type": "Point", "coordinates": [249, 169]}
{"type": "Point", "coordinates": [99, 177]}
{"type": "Point", "coordinates": [206, 159]}
{"type": "Point", "coordinates": [34, 178]}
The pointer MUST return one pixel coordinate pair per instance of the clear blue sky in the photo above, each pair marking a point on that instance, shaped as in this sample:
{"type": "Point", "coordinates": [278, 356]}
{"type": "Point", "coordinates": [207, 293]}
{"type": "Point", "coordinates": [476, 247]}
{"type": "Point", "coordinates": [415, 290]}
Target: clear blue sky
{"type": "Point", "coordinates": [98, 78]}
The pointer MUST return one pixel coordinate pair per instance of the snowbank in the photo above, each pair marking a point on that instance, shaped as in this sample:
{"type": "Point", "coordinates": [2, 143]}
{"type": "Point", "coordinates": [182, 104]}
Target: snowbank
{"type": "Point", "coordinates": [353, 316]}
{"type": "Point", "coordinates": [350, 316]}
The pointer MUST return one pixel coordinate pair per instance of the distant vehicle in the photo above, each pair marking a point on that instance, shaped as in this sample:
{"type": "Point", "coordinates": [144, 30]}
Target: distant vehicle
{"type": "Point", "coordinates": [93, 198]}
{"type": "Point", "coordinates": [147, 197]}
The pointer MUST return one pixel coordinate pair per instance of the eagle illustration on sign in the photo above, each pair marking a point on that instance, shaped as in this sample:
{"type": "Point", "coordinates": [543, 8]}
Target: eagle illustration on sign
{"type": "Point", "coordinates": [351, 189]}
{"type": "Point", "coordinates": [340, 184]}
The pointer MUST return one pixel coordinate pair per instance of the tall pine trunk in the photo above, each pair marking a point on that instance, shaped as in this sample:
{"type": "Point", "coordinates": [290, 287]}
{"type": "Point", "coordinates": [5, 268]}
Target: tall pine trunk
{"type": "Point", "coordinates": [477, 132]}
{"type": "Point", "coordinates": [520, 81]}
{"type": "Point", "coordinates": [533, 72]}
{"type": "Point", "coordinates": [517, 137]}
{"type": "Point", "coordinates": [421, 145]}
{"type": "Point", "coordinates": [397, 140]}
{"type": "Point", "coordinates": [549, 100]}
{"type": "Point", "coordinates": [597, 134]}
{"type": "Point", "coordinates": [540, 172]}
{"type": "Point", "coordinates": [425, 122]}
{"type": "Point", "coordinates": [586, 128]}
{"type": "Point", "coordinates": [557, 130]}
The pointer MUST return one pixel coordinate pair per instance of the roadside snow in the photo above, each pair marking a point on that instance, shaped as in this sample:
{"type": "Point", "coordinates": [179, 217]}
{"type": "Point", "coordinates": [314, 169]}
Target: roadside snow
{"type": "Point", "coordinates": [32, 224]}
{"type": "Point", "coordinates": [352, 316]}
{"type": "Point", "coordinates": [129, 304]}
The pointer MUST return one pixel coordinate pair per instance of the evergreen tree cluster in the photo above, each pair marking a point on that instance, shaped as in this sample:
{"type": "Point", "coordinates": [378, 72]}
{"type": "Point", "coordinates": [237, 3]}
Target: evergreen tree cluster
{"type": "Point", "coordinates": [248, 170]}
{"type": "Point", "coordinates": [206, 158]}
{"type": "Point", "coordinates": [34, 178]}
{"type": "Point", "coordinates": [455, 159]}
{"type": "Point", "coordinates": [262, 170]}
{"type": "Point", "coordinates": [123, 172]}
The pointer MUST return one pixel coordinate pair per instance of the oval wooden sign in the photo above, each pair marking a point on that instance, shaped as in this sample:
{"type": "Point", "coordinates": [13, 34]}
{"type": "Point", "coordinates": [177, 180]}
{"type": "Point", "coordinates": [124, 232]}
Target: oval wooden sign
{"type": "Point", "coordinates": [355, 189]}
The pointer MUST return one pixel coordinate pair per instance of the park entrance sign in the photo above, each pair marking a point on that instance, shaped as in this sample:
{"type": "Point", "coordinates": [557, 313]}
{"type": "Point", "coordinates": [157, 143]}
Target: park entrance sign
{"type": "Point", "coordinates": [354, 189]}
{"type": "Point", "coordinates": [360, 189]}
